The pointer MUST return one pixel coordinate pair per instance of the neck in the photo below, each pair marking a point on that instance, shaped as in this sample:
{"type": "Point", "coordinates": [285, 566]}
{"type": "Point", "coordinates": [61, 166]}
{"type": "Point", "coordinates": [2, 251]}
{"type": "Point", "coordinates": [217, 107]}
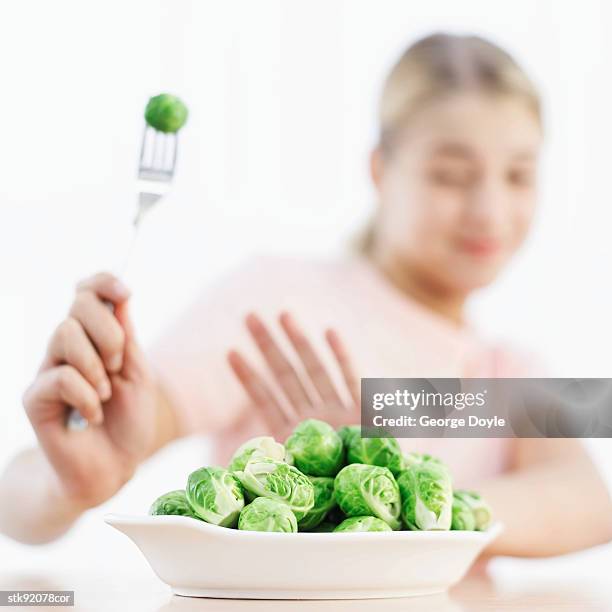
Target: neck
{"type": "Point", "coordinates": [448, 304]}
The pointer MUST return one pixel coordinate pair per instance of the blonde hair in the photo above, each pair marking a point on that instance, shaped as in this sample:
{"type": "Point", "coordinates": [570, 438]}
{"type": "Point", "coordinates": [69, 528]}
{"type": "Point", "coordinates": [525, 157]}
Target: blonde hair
{"type": "Point", "coordinates": [439, 65]}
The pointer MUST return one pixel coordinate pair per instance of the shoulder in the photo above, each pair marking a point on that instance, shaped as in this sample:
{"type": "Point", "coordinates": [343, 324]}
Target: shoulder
{"type": "Point", "coordinates": [295, 263]}
{"type": "Point", "coordinates": [280, 272]}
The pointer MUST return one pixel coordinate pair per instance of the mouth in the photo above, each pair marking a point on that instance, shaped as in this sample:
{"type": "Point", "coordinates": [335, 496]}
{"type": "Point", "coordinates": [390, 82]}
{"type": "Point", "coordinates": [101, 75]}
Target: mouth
{"type": "Point", "coordinates": [480, 247]}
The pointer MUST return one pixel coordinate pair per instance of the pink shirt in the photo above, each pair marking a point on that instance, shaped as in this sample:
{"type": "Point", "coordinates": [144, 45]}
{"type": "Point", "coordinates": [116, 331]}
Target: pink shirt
{"type": "Point", "coordinates": [387, 334]}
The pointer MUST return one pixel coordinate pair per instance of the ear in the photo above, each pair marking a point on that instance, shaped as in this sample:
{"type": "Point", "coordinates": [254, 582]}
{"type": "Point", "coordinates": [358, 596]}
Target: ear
{"type": "Point", "coordinates": [377, 167]}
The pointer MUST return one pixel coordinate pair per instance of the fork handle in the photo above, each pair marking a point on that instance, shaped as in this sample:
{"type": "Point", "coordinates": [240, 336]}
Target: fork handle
{"type": "Point", "coordinates": [75, 420]}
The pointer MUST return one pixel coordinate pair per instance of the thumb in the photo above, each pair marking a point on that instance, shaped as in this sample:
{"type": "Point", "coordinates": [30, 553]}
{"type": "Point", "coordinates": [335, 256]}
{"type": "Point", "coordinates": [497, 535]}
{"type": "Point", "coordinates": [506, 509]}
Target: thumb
{"type": "Point", "coordinates": [134, 360]}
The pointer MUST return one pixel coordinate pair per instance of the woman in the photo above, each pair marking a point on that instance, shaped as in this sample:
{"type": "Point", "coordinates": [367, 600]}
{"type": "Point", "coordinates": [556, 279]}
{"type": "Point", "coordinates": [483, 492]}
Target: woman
{"type": "Point", "coordinates": [455, 172]}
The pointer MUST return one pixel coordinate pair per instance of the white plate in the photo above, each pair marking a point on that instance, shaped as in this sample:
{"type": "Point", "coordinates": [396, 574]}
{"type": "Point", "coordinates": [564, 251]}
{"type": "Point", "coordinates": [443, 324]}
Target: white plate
{"type": "Point", "coordinates": [202, 560]}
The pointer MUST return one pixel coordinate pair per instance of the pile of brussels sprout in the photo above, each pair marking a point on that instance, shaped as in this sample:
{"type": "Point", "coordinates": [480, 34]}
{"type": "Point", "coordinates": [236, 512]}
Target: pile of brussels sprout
{"type": "Point", "coordinates": [322, 480]}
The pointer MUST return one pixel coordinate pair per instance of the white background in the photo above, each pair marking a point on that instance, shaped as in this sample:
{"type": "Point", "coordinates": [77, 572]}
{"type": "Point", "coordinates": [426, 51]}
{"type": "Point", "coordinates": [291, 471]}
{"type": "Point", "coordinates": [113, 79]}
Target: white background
{"type": "Point", "coordinates": [274, 158]}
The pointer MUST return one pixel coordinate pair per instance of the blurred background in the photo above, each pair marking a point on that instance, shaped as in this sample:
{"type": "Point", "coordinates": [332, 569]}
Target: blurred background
{"type": "Point", "coordinates": [282, 97]}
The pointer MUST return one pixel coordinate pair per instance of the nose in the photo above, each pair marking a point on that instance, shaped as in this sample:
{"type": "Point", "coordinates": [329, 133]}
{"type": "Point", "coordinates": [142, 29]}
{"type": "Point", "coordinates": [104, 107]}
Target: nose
{"type": "Point", "coordinates": [486, 205]}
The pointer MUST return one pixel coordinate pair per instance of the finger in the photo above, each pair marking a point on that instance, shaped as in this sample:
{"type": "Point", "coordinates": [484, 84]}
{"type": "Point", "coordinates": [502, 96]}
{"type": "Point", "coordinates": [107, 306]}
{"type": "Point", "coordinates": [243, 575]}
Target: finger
{"type": "Point", "coordinates": [70, 345]}
{"type": "Point", "coordinates": [313, 365]}
{"type": "Point", "coordinates": [283, 371]}
{"type": "Point", "coordinates": [65, 386]}
{"type": "Point", "coordinates": [102, 327]}
{"type": "Point", "coordinates": [135, 365]}
{"type": "Point", "coordinates": [263, 399]}
{"type": "Point", "coordinates": [353, 383]}
{"type": "Point", "coordinates": [106, 287]}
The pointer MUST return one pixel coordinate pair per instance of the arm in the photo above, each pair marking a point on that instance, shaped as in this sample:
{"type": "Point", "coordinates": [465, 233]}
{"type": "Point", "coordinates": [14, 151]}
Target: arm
{"type": "Point", "coordinates": [38, 512]}
{"type": "Point", "coordinates": [43, 510]}
{"type": "Point", "coordinates": [552, 501]}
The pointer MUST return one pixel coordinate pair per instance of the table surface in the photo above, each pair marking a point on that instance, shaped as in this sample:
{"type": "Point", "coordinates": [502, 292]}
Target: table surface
{"type": "Point", "coordinates": [118, 591]}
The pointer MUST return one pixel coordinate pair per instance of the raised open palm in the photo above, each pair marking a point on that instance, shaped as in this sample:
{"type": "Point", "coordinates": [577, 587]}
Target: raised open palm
{"type": "Point", "coordinates": [307, 392]}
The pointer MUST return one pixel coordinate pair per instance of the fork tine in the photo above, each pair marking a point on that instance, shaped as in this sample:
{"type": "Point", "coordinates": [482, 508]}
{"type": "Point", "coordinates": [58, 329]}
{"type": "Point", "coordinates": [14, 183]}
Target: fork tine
{"type": "Point", "coordinates": [156, 164]}
{"type": "Point", "coordinates": [163, 153]}
{"type": "Point", "coordinates": [142, 148]}
{"type": "Point", "coordinates": [174, 152]}
{"type": "Point", "coordinates": [158, 155]}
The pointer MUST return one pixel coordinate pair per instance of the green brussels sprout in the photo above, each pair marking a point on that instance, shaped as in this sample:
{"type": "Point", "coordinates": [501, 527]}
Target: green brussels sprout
{"type": "Point", "coordinates": [215, 496]}
{"type": "Point", "coordinates": [166, 113]}
{"type": "Point", "coordinates": [265, 477]}
{"type": "Point", "coordinates": [316, 448]}
{"type": "Point", "coordinates": [265, 514]}
{"type": "Point", "coordinates": [427, 496]}
{"type": "Point", "coordinates": [363, 490]}
{"type": "Point", "coordinates": [384, 452]}
{"type": "Point", "coordinates": [348, 432]}
{"type": "Point", "coordinates": [414, 458]}
{"type": "Point", "coordinates": [462, 515]}
{"type": "Point", "coordinates": [174, 502]}
{"type": "Point", "coordinates": [481, 510]}
{"type": "Point", "coordinates": [411, 459]}
{"type": "Point", "coordinates": [363, 523]}
{"type": "Point", "coordinates": [262, 446]}
{"type": "Point", "coordinates": [324, 501]}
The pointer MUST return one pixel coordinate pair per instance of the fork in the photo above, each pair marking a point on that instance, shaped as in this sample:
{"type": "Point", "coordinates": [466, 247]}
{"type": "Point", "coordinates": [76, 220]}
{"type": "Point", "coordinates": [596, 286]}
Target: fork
{"type": "Point", "coordinates": [158, 153]}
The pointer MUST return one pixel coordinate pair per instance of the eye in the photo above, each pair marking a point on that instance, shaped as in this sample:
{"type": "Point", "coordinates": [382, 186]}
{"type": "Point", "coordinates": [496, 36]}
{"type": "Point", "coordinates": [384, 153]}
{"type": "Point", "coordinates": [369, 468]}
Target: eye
{"type": "Point", "coordinates": [521, 177]}
{"type": "Point", "coordinates": [450, 177]}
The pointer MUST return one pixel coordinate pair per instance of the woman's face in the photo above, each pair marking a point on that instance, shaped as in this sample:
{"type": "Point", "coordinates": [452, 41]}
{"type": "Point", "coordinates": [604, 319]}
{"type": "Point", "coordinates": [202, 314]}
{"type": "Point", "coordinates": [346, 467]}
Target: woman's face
{"type": "Point", "coordinates": [458, 191]}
